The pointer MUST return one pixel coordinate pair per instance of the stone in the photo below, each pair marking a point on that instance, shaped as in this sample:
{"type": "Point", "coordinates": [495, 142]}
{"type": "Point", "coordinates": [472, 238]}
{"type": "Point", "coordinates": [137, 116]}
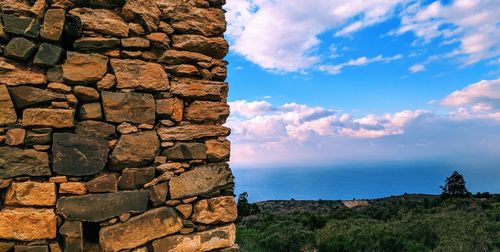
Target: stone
{"type": "Point", "coordinates": [15, 137]}
{"type": "Point", "coordinates": [145, 12]}
{"type": "Point", "coordinates": [201, 180]}
{"type": "Point", "coordinates": [77, 188]}
{"type": "Point", "coordinates": [53, 25]}
{"type": "Point", "coordinates": [219, 73]}
{"type": "Point", "coordinates": [217, 238]}
{"type": "Point", "coordinates": [17, 162]}
{"type": "Point", "coordinates": [102, 21]}
{"type": "Point", "coordinates": [136, 29]}
{"type": "Point", "coordinates": [128, 107]}
{"type": "Point", "coordinates": [140, 229]}
{"type": "Point", "coordinates": [104, 183]}
{"type": "Point", "coordinates": [54, 247]}
{"type": "Point", "coordinates": [135, 150]}
{"type": "Point", "coordinates": [183, 70]}
{"type": "Point", "coordinates": [58, 179]}
{"type": "Point", "coordinates": [140, 75]}
{"type": "Point", "coordinates": [72, 232]}
{"type": "Point", "coordinates": [124, 217]}
{"type": "Point", "coordinates": [166, 28]}
{"type": "Point", "coordinates": [185, 210]}
{"type": "Point", "coordinates": [102, 206]}
{"type": "Point", "coordinates": [95, 129]}
{"type": "Point", "coordinates": [107, 82]}
{"type": "Point", "coordinates": [181, 151]}
{"type": "Point", "coordinates": [86, 94]}
{"type": "Point", "coordinates": [215, 210]}
{"type": "Point", "coordinates": [215, 47]}
{"type": "Point", "coordinates": [130, 54]}
{"type": "Point", "coordinates": [158, 194]}
{"type": "Point", "coordinates": [20, 25]}
{"type": "Point", "coordinates": [60, 105]}
{"type": "Point", "coordinates": [90, 111]}
{"type": "Point", "coordinates": [107, 4]}
{"type": "Point", "coordinates": [84, 68]}
{"type": "Point", "coordinates": [20, 48]}
{"type": "Point", "coordinates": [170, 108]}
{"type": "Point", "coordinates": [135, 43]}
{"type": "Point", "coordinates": [218, 151]}
{"type": "Point", "coordinates": [42, 117]}
{"type": "Point", "coordinates": [146, 126]}
{"type": "Point", "coordinates": [135, 178]}
{"type": "Point", "coordinates": [27, 224]}
{"type": "Point", "coordinates": [6, 246]}
{"type": "Point", "coordinates": [200, 89]}
{"type": "Point", "coordinates": [163, 177]}
{"type": "Point", "coordinates": [190, 132]}
{"type": "Point", "coordinates": [8, 114]}
{"type": "Point", "coordinates": [126, 128]}
{"type": "Point", "coordinates": [31, 248]}
{"type": "Point", "coordinates": [59, 87]}
{"type": "Point", "coordinates": [208, 22]}
{"type": "Point", "coordinates": [78, 155]}
{"type": "Point", "coordinates": [159, 40]}
{"type": "Point", "coordinates": [55, 74]}
{"type": "Point", "coordinates": [4, 183]}
{"type": "Point", "coordinates": [31, 194]}
{"type": "Point", "coordinates": [173, 57]}
{"type": "Point", "coordinates": [73, 28]}
{"type": "Point", "coordinates": [48, 55]}
{"type": "Point", "coordinates": [95, 44]}
{"type": "Point", "coordinates": [39, 136]}
{"type": "Point", "coordinates": [207, 111]}
{"type": "Point", "coordinates": [14, 74]}
{"type": "Point", "coordinates": [26, 96]}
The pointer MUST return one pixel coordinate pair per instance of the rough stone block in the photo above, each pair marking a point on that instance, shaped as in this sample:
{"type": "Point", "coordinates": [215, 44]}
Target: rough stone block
{"type": "Point", "coordinates": [103, 183]}
{"type": "Point", "coordinates": [207, 111]}
{"type": "Point", "coordinates": [19, 25]}
{"type": "Point", "coordinates": [95, 44]}
{"type": "Point", "coordinates": [20, 48]}
{"type": "Point", "coordinates": [135, 150]}
{"type": "Point", "coordinates": [190, 132]}
{"type": "Point", "coordinates": [215, 47]}
{"type": "Point", "coordinates": [95, 129]}
{"type": "Point", "coordinates": [187, 151]}
{"type": "Point", "coordinates": [8, 114]}
{"type": "Point", "coordinates": [31, 194]}
{"type": "Point", "coordinates": [48, 55]}
{"type": "Point", "coordinates": [128, 107]}
{"type": "Point", "coordinates": [102, 21]}
{"type": "Point", "coordinates": [200, 89]}
{"type": "Point", "coordinates": [17, 162]}
{"type": "Point", "coordinates": [27, 224]}
{"type": "Point", "coordinates": [26, 96]}
{"type": "Point", "coordinates": [140, 75]}
{"type": "Point", "coordinates": [84, 68]}
{"type": "Point", "coordinates": [215, 210]}
{"type": "Point", "coordinates": [43, 117]}
{"type": "Point", "coordinates": [53, 25]}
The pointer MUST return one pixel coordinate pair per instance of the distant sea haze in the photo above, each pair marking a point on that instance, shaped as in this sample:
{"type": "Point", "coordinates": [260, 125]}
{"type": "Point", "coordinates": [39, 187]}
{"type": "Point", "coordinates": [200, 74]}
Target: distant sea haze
{"type": "Point", "coordinates": [360, 181]}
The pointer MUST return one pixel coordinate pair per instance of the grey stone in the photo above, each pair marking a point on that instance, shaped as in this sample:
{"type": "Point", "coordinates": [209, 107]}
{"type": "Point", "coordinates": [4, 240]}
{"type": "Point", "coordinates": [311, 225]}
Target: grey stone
{"type": "Point", "coordinates": [90, 111]}
{"type": "Point", "coordinates": [16, 162]}
{"type": "Point", "coordinates": [24, 26]}
{"type": "Point", "coordinates": [20, 48]}
{"type": "Point", "coordinates": [78, 155]}
{"type": "Point", "coordinates": [95, 129]}
{"type": "Point", "coordinates": [39, 136]}
{"type": "Point", "coordinates": [48, 55]}
{"type": "Point", "coordinates": [95, 44]}
{"type": "Point", "coordinates": [134, 178]}
{"type": "Point", "coordinates": [135, 150]}
{"type": "Point", "coordinates": [128, 107]}
{"type": "Point", "coordinates": [182, 151]}
{"type": "Point", "coordinates": [26, 96]}
{"type": "Point", "coordinates": [99, 207]}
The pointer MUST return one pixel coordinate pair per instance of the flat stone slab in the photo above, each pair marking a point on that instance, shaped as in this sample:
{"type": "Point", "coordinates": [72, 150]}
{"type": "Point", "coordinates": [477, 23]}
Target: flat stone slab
{"type": "Point", "coordinates": [16, 162]}
{"type": "Point", "coordinates": [200, 89]}
{"type": "Point", "coordinates": [25, 96]}
{"type": "Point", "coordinates": [27, 224]}
{"type": "Point", "coordinates": [78, 155]}
{"type": "Point", "coordinates": [80, 68]}
{"type": "Point", "coordinates": [102, 21]}
{"type": "Point", "coordinates": [24, 26]}
{"type": "Point", "coordinates": [141, 75]}
{"type": "Point", "coordinates": [14, 74]}
{"type": "Point", "coordinates": [8, 114]}
{"type": "Point", "coordinates": [128, 107]}
{"type": "Point", "coordinates": [31, 193]}
{"type": "Point", "coordinates": [46, 117]}
{"type": "Point", "coordinates": [135, 150]}
{"type": "Point", "coordinates": [99, 207]}
{"type": "Point", "coordinates": [140, 229]}
{"type": "Point", "coordinates": [190, 132]}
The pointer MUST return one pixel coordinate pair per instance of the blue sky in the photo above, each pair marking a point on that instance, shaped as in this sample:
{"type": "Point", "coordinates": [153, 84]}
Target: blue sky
{"type": "Point", "coordinates": [325, 82]}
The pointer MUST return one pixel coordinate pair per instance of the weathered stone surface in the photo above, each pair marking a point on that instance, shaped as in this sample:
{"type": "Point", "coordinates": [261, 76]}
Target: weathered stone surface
{"type": "Point", "coordinates": [31, 248]}
{"type": "Point", "coordinates": [140, 75]}
{"type": "Point", "coordinates": [95, 129]}
{"type": "Point", "coordinates": [55, 74]}
{"type": "Point", "coordinates": [208, 22]}
{"type": "Point", "coordinates": [48, 55]}
{"type": "Point", "coordinates": [73, 236]}
{"type": "Point", "coordinates": [77, 188]}
{"type": "Point", "coordinates": [104, 183]}
{"type": "Point", "coordinates": [158, 194]}
{"type": "Point", "coordinates": [99, 207]}
{"type": "Point", "coordinates": [102, 21]}
{"type": "Point", "coordinates": [215, 210]}
{"type": "Point", "coordinates": [16, 162]}
{"type": "Point", "coordinates": [188, 151]}
{"type": "Point", "coordinates": [190, 132]}
{"type": "Point", "coordinates": [26, 96]}
{"type": "Point", "coordinates": [78, 155]}
{"type": "Point", "coordinates": [15, 136]}
{"type": "Point", "coordinates": [13, 74]}
{"type": "Point", "coordinates": [31, 194]}
{"type": "Point", "coordinates": [219, 73]}
{"type": "Point", "coordinates": [73, 28]}
{"type": "Point", "coordinates": [8, 114]}
{"type": "Point", "coordinates": [95, 44]}
{"type": "Point", "coordinates": [38, 136]}
{"type": "Point", "coordinates": [19, 25]}
{"type": "Point", "coordinates": [128, 107]}
{"type": "Point", "coordinates": [140, 229]}
{"type": "Point", "coordinates": [29, 8]}
{"type": "Point", "coordinates": [84, 68]}
{"type": "Point", "coordinates": [107, 82]}
{"type": "Point", "coordinates": [170, 108]}
{"type": "Point", "coordinates": [134, 178]}
{"type": "Point", "coordinates": [6, 246]}
{"type": "Point", "coordinates": [90, 111]}
{"type": "Point", "coordinates": [173, 57]}
{"type": "Point", "coordinates": [159, 40]}
{"type": "Point", "coordinates": [215, 47]}
{"type": "Point", "coordinates": [207, 111]}
{"type": "Point", "coordinates": [218, 151]}
{"type": "Point", "coordinates": [53, 25]}
{"type": "Point", "coordinates": [202, 179]}
{"type": "Point", "coordinates": [27, 224]}
{"type": "Point", "coordinates": [86, 94]}
{"type": "Point", "coordinates": [135, 43]}
{"type": "Point", "coordinates": [145, 11]}
{"type": "Point", "coordinates": [59, 87]}
{"type": "Point", "coordinates": [41, 117]}
{"type": "Point", "coordinates": [217, 238]}
{"type": "Point", "coordinates": [20, 48]}
{"type": "Point", "coordinates": [135, 150]}
{"type": "Point", "coordinates": [183, 70]}
{"type": "Point", "coordinates": [126, 128]}
{"type": "Point", "coordinates": [108, 4]}
{"type": "Point", "coordinates": [185, 210]}
{"type": "Point", "coordinates": [200, 89]}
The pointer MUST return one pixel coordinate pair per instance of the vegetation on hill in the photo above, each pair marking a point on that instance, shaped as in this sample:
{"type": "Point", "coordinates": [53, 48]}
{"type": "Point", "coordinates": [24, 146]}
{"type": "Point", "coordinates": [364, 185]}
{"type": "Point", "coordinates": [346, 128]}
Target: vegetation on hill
{"type": "Point", "coordinates": [450, 222]}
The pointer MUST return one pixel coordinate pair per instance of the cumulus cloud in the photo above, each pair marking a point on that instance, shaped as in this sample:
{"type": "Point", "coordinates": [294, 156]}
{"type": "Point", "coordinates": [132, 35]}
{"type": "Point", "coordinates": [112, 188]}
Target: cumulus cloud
{"type": "Point", "coordinates": [362, 61]}
{"type": "Point", "coordinates": [417, 68]}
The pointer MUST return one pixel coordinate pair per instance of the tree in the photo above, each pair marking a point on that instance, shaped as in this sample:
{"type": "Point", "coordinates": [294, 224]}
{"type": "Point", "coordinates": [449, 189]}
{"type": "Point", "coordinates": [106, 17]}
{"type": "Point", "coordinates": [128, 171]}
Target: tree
{"type": "Point", "coordinates": [455, 187]}
{"type": "Point", "coordinates": [245, 208]}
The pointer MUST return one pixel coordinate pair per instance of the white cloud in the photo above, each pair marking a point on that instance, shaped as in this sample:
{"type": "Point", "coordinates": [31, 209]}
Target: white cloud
{"type": "Point", "coordinates": [362, 61]}
{"type": "Point", "coordinates": [417, 68]}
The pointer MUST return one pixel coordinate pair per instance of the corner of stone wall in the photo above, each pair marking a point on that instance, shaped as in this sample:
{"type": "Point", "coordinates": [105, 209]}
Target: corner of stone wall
{"type": "Point", "coordinates": [111, 126]}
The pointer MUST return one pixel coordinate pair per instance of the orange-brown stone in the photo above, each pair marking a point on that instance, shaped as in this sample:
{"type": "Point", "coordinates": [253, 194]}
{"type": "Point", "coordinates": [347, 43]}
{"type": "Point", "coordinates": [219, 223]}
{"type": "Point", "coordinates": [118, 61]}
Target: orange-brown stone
{"type": "Point", "coordinates": [27, 224]}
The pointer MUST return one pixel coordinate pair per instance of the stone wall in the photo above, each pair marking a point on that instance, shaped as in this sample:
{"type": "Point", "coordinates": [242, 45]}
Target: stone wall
{"type": "Point", "coordinates": [111, 135]}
